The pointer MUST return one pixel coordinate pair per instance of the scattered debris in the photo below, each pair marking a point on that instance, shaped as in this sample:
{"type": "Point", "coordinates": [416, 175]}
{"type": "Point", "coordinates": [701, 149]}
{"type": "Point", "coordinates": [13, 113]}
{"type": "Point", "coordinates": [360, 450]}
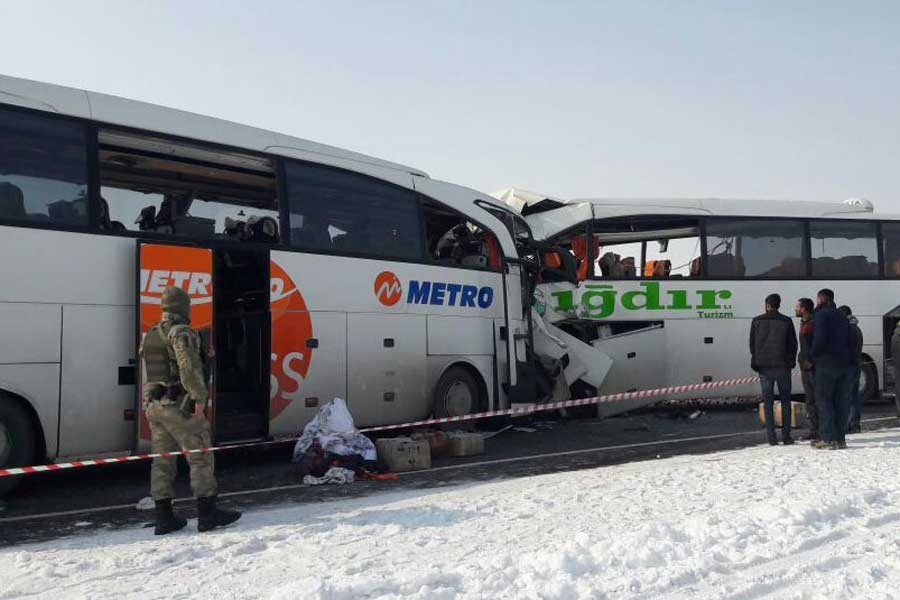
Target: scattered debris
{"type": "Point", "coordinates": [695, 414]}
{"type": "Point", "coordinates": [334, 475]}
{"type": "Point", "coordinates": [145, 503]}
{"type": "Point", "coordinates": [489, 435]}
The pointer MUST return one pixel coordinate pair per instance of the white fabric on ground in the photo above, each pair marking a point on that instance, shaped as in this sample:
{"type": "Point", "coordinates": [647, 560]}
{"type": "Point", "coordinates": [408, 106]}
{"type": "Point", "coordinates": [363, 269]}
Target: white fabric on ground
{"type": "Point", "coordinates": [334, 475]}
{"type": "Point", "coordinates": [773, 522]}
{"type": "Point", "coordinates": [333, 427]}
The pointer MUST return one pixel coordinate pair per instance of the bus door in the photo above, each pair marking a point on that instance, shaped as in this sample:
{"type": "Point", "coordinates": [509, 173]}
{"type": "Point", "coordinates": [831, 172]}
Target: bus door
{"type": "Point", "coordinates": [229, 291]}
{"type": "Point", "coordinates": [513, 336]}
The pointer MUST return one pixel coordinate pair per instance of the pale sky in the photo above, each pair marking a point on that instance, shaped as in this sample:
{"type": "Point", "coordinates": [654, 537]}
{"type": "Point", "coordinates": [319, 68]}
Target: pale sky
{"type": "Point", "coordinates": [780, 99]}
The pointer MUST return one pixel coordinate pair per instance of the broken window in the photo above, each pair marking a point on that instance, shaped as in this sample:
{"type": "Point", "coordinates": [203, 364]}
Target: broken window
{"type": "Point", "coordinates": [161, 186]}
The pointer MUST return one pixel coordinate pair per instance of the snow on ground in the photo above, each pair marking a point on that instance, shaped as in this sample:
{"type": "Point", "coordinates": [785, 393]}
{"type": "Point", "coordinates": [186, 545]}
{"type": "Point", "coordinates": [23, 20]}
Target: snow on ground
{"type": "Point", "coordinates": [784, 522]}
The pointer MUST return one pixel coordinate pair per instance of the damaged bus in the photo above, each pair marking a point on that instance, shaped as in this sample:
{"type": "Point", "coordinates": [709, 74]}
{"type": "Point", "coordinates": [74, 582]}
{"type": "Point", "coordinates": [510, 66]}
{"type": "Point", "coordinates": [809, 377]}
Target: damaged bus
{"type": "Point", "coordinates": [313, 272]}
{"type": "Point", "coordinates": [666, 289]}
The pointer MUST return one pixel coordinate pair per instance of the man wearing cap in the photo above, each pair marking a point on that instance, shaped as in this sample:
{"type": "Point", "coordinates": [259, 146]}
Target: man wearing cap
{"type": "Point", "coordinates": [175, 398]}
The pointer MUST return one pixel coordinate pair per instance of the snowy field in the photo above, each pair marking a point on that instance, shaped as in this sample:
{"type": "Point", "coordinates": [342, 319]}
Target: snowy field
{"type": "Point", "coordinates": [784, 522]}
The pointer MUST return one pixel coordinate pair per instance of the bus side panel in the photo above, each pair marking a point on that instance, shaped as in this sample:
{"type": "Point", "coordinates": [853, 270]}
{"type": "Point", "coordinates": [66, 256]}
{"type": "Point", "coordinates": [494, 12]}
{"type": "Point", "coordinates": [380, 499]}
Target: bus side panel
{"type": "Point", "coordinates": [460, 336]}
{"type": "Point", "coordinates": [39, 385]}
{"type": "Point", "coordinates": [386, 365]}
{"type": "Point", "coordinates": [709, 350]}
{"type": "Point", "coordinates": [92, 399]}
{"type": "Point", "coordinates": [303, 377]}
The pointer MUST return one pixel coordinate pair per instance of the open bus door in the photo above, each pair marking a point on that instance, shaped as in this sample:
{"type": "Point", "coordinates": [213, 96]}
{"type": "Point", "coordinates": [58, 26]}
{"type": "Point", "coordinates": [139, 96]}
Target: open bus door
{"type": "Point", "coordinates": [229, 291]}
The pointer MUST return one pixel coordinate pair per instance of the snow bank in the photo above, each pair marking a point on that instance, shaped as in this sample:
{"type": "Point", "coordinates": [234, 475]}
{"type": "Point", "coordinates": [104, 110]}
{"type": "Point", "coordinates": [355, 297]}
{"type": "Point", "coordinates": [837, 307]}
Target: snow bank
{"type": "Point", "coordinates": [785, 522]}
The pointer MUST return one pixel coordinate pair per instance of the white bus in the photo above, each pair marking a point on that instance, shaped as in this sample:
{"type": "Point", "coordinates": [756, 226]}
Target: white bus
{"type": "Point", "coordinates": [667, 288]}
{"type": "Point", "coordinates": [315, 272]}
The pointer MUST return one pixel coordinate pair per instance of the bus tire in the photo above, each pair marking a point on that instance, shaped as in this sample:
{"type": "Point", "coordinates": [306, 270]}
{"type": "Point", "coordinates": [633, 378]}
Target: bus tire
{"type": "Point", "coordinates": [457, 393]}
{"type": "Point", "coordinates": [868, 381]}
{"type": "Point", "coordinates": [18, 444]}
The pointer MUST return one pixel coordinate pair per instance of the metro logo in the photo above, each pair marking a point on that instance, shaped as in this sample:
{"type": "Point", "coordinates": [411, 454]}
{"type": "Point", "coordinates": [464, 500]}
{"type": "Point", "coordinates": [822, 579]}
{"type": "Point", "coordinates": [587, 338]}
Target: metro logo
{"type": "Point", "coordinates": [387, 288]}
{"type": "Point", "coordinates": [438, 293]}
{"type": "Point", "coordinates": [188, 268]}
{"type": "Point", "coordinates": [197, 285]}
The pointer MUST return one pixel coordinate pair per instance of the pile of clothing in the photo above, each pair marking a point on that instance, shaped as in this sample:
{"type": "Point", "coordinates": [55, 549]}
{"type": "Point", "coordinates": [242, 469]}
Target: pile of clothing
{"type": "Point", "coordinates": [331, 449]}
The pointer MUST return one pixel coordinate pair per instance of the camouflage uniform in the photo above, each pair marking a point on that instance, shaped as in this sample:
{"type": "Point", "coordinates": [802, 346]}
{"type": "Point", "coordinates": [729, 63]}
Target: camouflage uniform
{"type": "Point", "coordinates": [176, 383]}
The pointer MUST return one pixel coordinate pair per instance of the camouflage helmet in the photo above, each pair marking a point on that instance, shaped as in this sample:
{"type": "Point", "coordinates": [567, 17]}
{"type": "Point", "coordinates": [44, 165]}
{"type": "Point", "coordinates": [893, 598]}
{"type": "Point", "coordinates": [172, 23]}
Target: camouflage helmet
{"type": "Point", "coordinates": [175, 300]}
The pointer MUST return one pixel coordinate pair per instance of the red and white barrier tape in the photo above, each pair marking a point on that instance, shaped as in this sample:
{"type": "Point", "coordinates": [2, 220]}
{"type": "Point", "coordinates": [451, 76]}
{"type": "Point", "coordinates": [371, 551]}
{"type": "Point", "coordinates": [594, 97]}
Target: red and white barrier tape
{"type": "Point", "coordinates": [513, 412]}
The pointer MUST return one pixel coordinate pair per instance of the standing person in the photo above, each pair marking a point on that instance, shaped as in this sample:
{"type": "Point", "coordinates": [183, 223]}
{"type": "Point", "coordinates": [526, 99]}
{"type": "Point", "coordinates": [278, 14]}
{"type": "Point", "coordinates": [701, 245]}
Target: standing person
{"type": "Point", "coordinates": [175, 398]}
{"type": "Point", "coordinates": [804, 310]}
{"type": "Point", "coordinates": [831, 353]}
{"type": "Point", "coordinates": [773, 353]}
{"type": "Point", "coordinates": [856, 344]}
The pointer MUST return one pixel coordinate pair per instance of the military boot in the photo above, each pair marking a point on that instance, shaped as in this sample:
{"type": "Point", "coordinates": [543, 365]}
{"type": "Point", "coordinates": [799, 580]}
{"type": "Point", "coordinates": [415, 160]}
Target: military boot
{"type": "Point", "coordinates": [166, 520]}
{"type": "Point", "coordinates": [210, 517]}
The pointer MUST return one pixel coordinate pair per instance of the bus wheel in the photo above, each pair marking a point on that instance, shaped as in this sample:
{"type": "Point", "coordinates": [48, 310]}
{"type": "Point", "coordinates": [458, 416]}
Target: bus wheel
{"type": "Point", "coordinates": [17, 443]}
{"type": "Point", "coordinates": [457, 393]}
{"type": "Point", "coordinates": [868, 381]}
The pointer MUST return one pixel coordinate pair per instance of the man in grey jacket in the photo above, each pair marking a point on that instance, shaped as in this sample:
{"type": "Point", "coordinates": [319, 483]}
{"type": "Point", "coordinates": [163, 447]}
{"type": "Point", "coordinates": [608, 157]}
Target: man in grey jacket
{"type": "Point", "coordinates": [773, 353]}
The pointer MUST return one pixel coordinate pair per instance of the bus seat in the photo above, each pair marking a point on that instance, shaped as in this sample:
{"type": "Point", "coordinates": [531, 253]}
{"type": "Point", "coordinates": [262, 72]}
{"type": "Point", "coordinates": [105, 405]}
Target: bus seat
{"type": "Point", "coordinates": [695, 267]}
{"type": "Point", "coordinates": [725, 265]}
{"type": "Point", "coordinates": [611, 265]}
{"type": "Point", "coordinates": [493, 251]}
{"type": "Point", "coordinates": [658, 268]}
{"type": "Point", "coordinates": [63, 211]}
{"type": "Point", "coordinates": [894, 268]}
{"type": "Point", "coordinates": [12, 201]}
{"type": "Point", "coordinates": [552, 260]}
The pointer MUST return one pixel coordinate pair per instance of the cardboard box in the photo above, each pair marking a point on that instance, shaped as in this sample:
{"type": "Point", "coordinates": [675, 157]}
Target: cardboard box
{"type": "Point", "coordinates": [466, 444]}
{"type": "Point", "coordinates": [403, 454]}
{"type": "Point", "coordinates": [798, 414]}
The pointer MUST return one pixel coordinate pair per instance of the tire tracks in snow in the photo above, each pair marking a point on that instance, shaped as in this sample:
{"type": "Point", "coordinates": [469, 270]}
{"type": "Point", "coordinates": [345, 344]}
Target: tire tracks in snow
{"type": "Point", "coordinates": [782, 575]}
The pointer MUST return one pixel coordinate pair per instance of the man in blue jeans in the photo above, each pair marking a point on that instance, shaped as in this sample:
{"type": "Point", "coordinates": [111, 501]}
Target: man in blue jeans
{"type": "Point", "coordinates": [856, 343]}
{"type": "Point", "coordinates": [773, 353]}
{"type": "Point", "coordinates": [832, 355]}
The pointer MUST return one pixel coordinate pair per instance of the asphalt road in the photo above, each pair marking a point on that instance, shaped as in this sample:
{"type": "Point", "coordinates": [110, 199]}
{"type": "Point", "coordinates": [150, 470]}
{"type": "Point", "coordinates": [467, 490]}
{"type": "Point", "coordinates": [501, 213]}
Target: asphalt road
{"type": "Point", "coordinates": [55, 504]}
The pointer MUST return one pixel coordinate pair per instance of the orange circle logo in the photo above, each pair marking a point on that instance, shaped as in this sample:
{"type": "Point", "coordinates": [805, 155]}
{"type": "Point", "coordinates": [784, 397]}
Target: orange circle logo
{"type": "Point", "coordinates": [387, 288]}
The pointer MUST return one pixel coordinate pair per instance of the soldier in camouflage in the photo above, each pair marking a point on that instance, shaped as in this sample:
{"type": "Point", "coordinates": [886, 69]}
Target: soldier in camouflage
{"type": "Point", "coordinates": [175, 398]}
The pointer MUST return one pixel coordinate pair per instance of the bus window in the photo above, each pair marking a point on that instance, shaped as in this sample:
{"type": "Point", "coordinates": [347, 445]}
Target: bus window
{"type": "Point", "coordinates": [843, 249]}
{"type": "Point", "coordinates": [617, 261]}
{"type": "Point", "coordinates": [159, 186]}
{"type": "Point", "coordinates": [754, 248]}
{"type": "Point", "coordinates": [343, 212]}
{"type": "Point", "coordinates": [43, 170]}
{"type": "Point", "coordinates": [890, 233]}
{"type": "Point", "coordinates": [453, 241]}
{"type": "Point", "coordinates": [672, 257]}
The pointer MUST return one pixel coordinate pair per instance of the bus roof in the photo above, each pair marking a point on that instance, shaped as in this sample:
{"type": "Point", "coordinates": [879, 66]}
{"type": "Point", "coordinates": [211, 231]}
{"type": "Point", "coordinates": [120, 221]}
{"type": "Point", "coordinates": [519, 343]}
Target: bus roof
{"type": "Point", "coordinates": [611, 207]}
{"type": "Point", "coordinates": [151, 117]}
{"type": "Point", "coordinates": [550, 215]}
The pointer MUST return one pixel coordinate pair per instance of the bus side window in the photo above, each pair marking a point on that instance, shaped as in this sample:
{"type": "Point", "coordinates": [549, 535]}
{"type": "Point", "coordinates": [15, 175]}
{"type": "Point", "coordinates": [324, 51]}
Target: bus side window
{"type": "Point", "coordinates": [162, 186]}
{"type": "Point", "coordinates": [758, 248]}
{"type": "Point", "coordinates": [890, 233]}
{"type": "Point", "coordinates": [454, 241]}
{"type": "Point", "coordinates": [342, 212]}
{"type": "Point", "coordinates": [43, 170]}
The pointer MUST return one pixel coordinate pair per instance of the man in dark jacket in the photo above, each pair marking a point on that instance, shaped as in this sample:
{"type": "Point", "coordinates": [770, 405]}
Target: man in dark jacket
{"type": "Point", "coordinates": [856, 344]}
{"type": "Point", "coordinates": [804, 310]}
{"type": "Point", "coordinates": [773, 353]}
{"type": "Point", "coordinates": [832, 355]}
